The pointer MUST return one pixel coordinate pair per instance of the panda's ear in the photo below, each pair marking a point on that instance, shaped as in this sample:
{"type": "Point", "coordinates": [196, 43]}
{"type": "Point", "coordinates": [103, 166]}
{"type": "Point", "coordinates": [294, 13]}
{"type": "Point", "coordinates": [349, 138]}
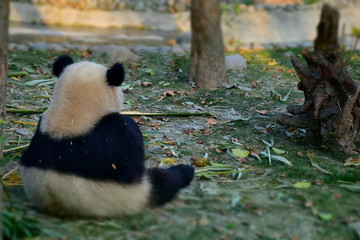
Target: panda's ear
{"type": "Point", "coordinates": [115, 75]}
{"type": "Point", "coordinates": [60, 64]}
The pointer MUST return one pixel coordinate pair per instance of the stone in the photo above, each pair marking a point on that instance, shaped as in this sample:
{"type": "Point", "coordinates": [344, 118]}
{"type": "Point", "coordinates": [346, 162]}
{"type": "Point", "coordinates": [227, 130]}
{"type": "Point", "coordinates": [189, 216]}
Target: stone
{"type": "Point", "coordinates": [41, 46]}
{"type": "Point", "coordinates": [12, 46]}
{"type": "Point", "coordinates": [186, 47]}
{"type": "Point", "coordinates": [137, 49]}
{"type": "Point", "coordinates": [22, 47]}
{"type": "Point", "coordinates": [177, 50]}
{"type": "Point", "coordinates": [164, 49]}
{"type": "Point", "coordinates": [235, 62]}
{"type": "Point", "coordinates": [116, 53]}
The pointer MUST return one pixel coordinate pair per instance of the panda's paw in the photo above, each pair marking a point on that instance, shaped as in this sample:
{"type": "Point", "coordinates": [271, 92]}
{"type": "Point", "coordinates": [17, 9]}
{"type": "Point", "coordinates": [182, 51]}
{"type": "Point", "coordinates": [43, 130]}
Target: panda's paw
{"type": "Point", "coordinates": [186, 173]}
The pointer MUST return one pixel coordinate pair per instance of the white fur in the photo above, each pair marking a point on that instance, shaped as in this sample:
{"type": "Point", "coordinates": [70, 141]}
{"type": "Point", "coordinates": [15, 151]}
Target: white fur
{"type": "Point", "coordinates": [81, 98]}
{"type": "Point", "coordinates": [68, 195]}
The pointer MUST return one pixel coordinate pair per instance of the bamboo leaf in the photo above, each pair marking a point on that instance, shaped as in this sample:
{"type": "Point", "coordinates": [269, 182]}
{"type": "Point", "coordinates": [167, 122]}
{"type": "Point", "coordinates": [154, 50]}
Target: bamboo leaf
{"type": "Point", "coordinates": [316, 165]}
{"type": "Point", "coordinates": [278, 151]}
{"type": "Point", "coordinates": [240, 152]}
{"type": "Point", "coordinates": [302, 185]}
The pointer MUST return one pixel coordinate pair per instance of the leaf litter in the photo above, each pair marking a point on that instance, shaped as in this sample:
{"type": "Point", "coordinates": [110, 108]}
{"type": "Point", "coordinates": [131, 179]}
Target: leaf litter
{"type": "Point", "coordinates": [235, 173]}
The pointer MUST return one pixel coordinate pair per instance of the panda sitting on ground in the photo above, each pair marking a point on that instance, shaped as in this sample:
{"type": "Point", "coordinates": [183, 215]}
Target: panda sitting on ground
{"type": "Point", "coordinates": [86, 159]}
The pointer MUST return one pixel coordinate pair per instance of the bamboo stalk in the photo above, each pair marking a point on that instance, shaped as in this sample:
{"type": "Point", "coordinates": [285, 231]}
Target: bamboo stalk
{"type": "Point", "coordinates": [16, 148]}
{"type": "Point", "coordinates": [18, 74]}
{"type": "Point", "coordinates": [133, 114]}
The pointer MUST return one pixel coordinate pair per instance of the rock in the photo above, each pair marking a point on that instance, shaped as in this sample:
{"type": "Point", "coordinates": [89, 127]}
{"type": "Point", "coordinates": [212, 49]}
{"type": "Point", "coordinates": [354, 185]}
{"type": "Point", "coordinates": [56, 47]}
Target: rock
{"type": "Point", "coordinates": [137, 49]}
{"type": "Point", "coordinates": [116, 53]}
{"type": "Point", "coordinates": [58, 48]}
{"type": "Point", "coordinates": [305, 44]}
{"type": "Point", "coordinates": [22, 47]}
{"type": "Point", "coordinates": [235, 62]}
{"type": "Point", "coordinates": [164, 49]}
{"type": "Point", "coordinates": [41, 46]}
{"type": "Point", "coordinates": [291, 45]}
{"type": "Point", "coordinates": [12, 46]}
{"type": "Point", "coordinates": [186, 47]}
{"type": "Point", "coordinates": [177, 50]}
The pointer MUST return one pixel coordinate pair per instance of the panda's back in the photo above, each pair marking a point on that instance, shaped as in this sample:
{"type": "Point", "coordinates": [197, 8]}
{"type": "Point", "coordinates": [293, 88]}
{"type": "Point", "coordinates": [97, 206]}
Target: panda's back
{"type": "Point", "coordinates": [112, 151]}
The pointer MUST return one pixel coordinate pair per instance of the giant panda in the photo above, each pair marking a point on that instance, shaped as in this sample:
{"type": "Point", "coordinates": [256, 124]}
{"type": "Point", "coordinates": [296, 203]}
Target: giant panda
{"type": "Point", "coordinates": [86, 159]}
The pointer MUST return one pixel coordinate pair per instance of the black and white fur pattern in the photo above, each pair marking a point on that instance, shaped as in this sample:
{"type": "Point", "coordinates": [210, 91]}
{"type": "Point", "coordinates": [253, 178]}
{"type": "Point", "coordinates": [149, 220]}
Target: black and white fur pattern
{"type": "Point", "coordinates": [85, 158]}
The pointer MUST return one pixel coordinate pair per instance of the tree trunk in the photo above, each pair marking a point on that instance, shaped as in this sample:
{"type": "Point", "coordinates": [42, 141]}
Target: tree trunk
{"type": "Point", "coordinates": [4, 21]}
{"type": "Point", "coordinates": [331, 111]}
{"type": "Point", "coordinates": [207, 49]}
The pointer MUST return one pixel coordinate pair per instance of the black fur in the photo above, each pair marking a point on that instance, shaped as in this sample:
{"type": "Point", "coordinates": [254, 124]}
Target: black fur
{"type": "Point", "coordinates": [115, 142]}
{"type": "Point", "coordinates": [60, 64]}
{"type": "Point", "coordinates": [115, 75]}
{"type": "Point", "coordinates": [167, 182]}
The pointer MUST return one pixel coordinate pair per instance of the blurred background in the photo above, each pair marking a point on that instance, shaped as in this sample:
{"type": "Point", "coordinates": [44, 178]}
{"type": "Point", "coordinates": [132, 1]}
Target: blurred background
{"type": "Point", "coordinates": [149, 24]}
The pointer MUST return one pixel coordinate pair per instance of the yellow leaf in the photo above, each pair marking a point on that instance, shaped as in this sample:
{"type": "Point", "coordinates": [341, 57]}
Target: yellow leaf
{"type": "Point", "coordinates": [272, 63]}
{"type": "Point", "coordinates": [12, 179]}
{"type": "Point", "coordinates": [302, 185]}
{"type": "Point", "coordinates": [240, 152]}
{"type": "Point", "coordinates": [169, 161]}
{"type": "Point", "coordinates": [201, 162]}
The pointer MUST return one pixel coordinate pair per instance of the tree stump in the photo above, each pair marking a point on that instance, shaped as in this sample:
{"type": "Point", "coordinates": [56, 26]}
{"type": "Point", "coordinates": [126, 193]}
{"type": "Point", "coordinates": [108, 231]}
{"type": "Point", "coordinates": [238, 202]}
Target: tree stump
{"type": "Point", "coordinates": [331, 111]}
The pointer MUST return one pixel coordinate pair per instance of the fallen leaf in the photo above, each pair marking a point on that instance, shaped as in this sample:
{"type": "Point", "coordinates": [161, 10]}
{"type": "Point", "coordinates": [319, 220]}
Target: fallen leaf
{"type": "Point", "coordinates": [240, 152]}
{"type": "Point", "coordinates": [262, 112]}
{"type": "Point", "coordinates": [325, 216]}
{"type": "Point", "coordinates": [272, 63]}
{"type": "Point", "coordinates": [201, 162]}
{"type": "Point", "coordinates": [168, 93]}
{"type": "Point", "coordinates": [172, 42]}
{"type": "Point", "coordinates": [254, 84]}
{"type": "Point", "coordinates": [211, 121]}
{"type": "Point", "coordinates": [169, 161]}
{"type": "Point", "coordinates": [302, 185]}
{"type": "Point", "coordinates": [278, 151]}
{"type": "Point", "coordinates": [153, 124]}
{"type": "Point", "coordinates": [316, 165]}
{"type": "Point", "coordinates": [352, 187]}
{"type": "Point", "coordinates": [146, 84]}
{"type": "Point", "coordinates": [151, 72]}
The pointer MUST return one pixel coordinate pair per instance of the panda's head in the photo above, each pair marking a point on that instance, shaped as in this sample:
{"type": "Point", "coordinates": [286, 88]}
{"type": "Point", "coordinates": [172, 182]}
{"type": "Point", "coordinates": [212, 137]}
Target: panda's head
{"type": "Point", "coordinates": [84, 93]}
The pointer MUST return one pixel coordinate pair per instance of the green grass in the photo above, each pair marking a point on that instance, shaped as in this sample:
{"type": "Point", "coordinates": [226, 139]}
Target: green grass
{"type": "Point", "coordinates": [262, 204]}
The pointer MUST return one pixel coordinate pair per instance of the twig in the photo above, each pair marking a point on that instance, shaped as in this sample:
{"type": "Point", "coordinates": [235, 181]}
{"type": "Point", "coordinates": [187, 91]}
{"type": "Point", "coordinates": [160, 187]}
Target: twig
{"type": "Point", "coordinates": [134, 114]}
{"type": "Point", "coordinates": [8, 173]}
{"type": "Point", "coordinates": [16, 148]}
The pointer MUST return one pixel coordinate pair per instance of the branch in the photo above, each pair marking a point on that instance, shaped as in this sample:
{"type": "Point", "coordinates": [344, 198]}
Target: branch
{"type": "Point", "coordinates": [133, 114]}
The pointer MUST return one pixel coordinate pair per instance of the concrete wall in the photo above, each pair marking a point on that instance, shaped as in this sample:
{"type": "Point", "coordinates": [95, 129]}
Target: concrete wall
{"type": "Point", "coordinates": [255, 25]}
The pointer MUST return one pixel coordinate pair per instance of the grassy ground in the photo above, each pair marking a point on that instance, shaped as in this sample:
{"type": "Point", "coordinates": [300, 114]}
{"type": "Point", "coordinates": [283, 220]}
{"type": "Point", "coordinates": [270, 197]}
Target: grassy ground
{"type": "Point", "coordinates": [313, 198]}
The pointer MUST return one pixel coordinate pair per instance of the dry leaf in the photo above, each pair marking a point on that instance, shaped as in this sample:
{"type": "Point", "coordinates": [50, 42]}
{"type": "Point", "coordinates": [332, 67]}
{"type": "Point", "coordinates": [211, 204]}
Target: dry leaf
{"type": "Point", "coordinates": [172, 42]}
{"type": "Point", "coordinates": [254, 84]}
{"type": "Point", "coordinates": [262, 112]}
{"type": "Point", "coordinates": [211, 121]}
{"type": "Point", "coordinates": [272, 63]}
{"type": "Point", "coordinates": [168, 93]}
{"type": "Point", "coordinates": [146, 84]}
{"type": "Point", "coordinates": [153, 124]}
{"type": "Point", "coordinates": [169, 161]}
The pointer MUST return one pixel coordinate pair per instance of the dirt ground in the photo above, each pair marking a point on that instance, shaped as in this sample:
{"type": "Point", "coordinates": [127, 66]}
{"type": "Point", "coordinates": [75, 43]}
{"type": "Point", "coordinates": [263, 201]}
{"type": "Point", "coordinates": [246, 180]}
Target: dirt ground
{"type": "Point", "coordinates": [255, 179]}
